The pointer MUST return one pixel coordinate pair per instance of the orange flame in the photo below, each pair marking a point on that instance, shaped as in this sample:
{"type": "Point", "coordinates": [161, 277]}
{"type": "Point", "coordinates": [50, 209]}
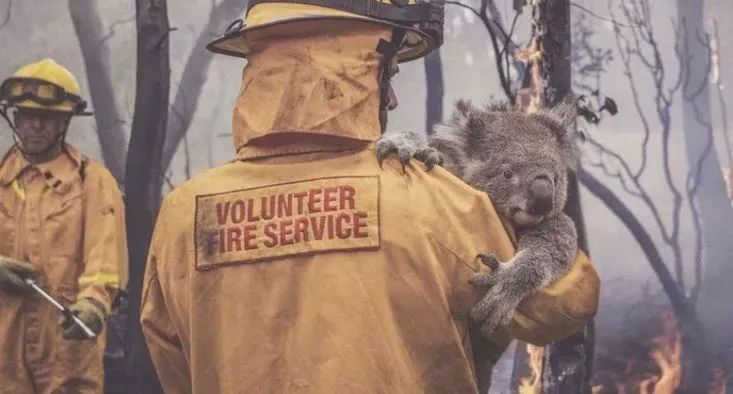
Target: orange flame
{"type": "Point", "coordinates": [718, 386]}
{"type": "Point", "coordinates": [666, 351]}
{"type": "Point", "coordinates": [533, 384]}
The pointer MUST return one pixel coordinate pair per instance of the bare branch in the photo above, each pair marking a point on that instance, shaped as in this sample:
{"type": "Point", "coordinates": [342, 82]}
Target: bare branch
{"type": "Point", "coordinates": [623, 49]}
{"type": "Point", "coordinates": [167, 179]}
{"type": "Point", "coordinates": [7, 14]}
{"type": "Point", "coordinates": [591, 13]}
{"type": "Point", "coordinates": [508, 41]}
{"type": "Point", "coordinates": [497, 21]}
{"type": "Point", "coordinates": [187, 157]}
{"type": "Point", "coordinates": [464, 6]}
{"type": "Point", "coordinates": [694, 177]}
{"type": "Point", "coordinates": [676, 297]}
{"type": "Point", "coordinates": [638, 44]}
{"type": "Point", "coordinates": [113, 26]}
{"type": "Point", "coordinates": [621, 176]}
{"type": "Point", "coordinates": [164, 37]}
{"type": "Point", "coordinates": [491, 28]}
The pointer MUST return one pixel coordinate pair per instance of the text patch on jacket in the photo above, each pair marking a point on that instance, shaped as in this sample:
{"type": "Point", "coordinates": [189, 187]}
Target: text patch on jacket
{"type": "Point", "coordinates": [287, 219]}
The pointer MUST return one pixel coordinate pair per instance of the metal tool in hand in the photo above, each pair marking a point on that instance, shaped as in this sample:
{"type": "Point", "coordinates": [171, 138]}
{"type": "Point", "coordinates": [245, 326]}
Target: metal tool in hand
{"type": "Point", "coordinates": [66, 311]}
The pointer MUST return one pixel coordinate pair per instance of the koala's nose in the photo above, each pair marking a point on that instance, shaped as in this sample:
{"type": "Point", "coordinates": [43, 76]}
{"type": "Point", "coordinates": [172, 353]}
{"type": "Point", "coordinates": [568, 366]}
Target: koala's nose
{"type": "Point", "coordinates": [540, 196]}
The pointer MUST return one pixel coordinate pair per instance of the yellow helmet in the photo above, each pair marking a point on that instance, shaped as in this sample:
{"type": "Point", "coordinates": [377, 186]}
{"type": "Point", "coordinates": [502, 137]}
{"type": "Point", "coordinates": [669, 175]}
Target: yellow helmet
{"type": "Point", "coordinates": [420, 22]}
{"type": "Point", "coordinates": [43, 85]}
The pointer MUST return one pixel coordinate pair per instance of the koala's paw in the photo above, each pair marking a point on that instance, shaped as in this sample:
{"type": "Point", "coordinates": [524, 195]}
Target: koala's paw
{"type": "Point", "coordinates": [489, 260]}
{"type": "Point", "coordinates": [407, 146]}
{"type": "Point", "coordinates": [430, 157]}
{"type": "Point", "coordinates": [494, 310]}
{"type": "Point", "coordinates": [499, 304]}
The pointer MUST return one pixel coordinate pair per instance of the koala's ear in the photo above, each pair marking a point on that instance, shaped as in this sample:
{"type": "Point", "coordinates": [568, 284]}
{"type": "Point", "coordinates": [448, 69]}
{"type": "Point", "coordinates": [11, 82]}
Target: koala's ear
{"type": "Point", "coordinates": [560, 119]}
{"type": "Point", "coordinates": [467, 119]}
{"type": "Point", "coordinates": [566, 111]}
{"type": "Point", "coordinates": [464, 107]}
{"type": "Point", "coordinates": [464, 116]}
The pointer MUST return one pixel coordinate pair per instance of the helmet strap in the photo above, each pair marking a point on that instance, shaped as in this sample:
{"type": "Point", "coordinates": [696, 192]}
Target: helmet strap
{"type": "Point", "coordinates": [389, 50]}
{"type": "Point", "coordinates": [4, 114]}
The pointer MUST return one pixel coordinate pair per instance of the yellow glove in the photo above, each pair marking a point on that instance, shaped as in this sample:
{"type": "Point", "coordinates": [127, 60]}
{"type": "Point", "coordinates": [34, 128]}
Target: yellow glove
{"type": "Point", "coordinates": [89, 311]}
{"type": "Point", "coordinates": [13, 274]}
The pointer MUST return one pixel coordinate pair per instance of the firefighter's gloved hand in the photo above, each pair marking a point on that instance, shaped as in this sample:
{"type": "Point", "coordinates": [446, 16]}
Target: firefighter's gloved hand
{"type": "Point", "coordinates": [13, 273]}
{"type": "Point", "coordinates": [89, 311]}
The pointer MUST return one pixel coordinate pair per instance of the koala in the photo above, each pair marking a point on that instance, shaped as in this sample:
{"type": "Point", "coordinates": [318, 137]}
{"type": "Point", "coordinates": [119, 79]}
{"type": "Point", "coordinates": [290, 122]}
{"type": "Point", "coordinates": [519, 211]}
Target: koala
{"type": "Point", "coordinates": [521, 161]}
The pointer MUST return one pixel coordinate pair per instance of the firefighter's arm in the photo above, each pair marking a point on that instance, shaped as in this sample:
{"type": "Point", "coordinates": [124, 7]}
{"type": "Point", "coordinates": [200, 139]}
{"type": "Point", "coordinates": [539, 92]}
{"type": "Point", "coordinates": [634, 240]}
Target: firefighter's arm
{"type": "Point", "coordinates": [164, 344]}
{"type": "Point", "coordinates": [557, 311]}
{"type": "Point", "coordinates": [561, 309]}
{"type": "Point", "coordinates": [549, 315]}
{"type": "Point", "coordinates": [105, 239]}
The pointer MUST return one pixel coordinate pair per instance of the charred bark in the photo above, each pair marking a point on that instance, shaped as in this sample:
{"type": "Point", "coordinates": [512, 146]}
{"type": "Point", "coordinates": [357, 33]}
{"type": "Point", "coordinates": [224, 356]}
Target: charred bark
{"type": "Point", "coordinates": [568, 363]}
{"type": "Point", "coordinates": [90, 33]}
{"type": "Point", "coordinates": [143, 172]}
{"type": "Point", "coordinates": [435, 90]}
{"type": "Point", "coordinates": [715, 212]}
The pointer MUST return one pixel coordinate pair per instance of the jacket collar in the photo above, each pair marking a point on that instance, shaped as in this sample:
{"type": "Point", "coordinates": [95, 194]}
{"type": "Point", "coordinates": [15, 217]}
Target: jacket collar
{"type": "Point", "coordinates": [286, 144]}
{"type": "Point", "coordinates": [58, 173]}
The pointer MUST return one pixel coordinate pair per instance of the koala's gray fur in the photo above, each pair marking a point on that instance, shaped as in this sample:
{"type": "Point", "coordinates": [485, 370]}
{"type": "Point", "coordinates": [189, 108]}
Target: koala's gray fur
{"type": "Point", "coordinates": [514, 157]}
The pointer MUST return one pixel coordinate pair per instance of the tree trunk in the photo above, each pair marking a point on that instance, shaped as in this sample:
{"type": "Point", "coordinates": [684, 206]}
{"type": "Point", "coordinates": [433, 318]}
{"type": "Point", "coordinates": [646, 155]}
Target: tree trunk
{"type": "Point", "coordinates": [568, 363]}
{"type": "Point", "coordinates": [194, 77]}
{"type": "Point", "coordinates": [90, 33]}
{"type": "Point", "coordinates": [435, 90]}
{"type": "Point", "coordinates": [143, 173]}
{"type": "Point", "coordinates": [715, 211]}
{"type": "Point", "coordinates": [722, 12]}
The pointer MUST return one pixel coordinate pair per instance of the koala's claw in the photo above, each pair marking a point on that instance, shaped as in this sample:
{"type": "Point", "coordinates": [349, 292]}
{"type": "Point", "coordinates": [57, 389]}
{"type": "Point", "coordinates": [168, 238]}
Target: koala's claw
{"type": "Point", "coordinates": [407, 146]}
{"type": "Point", "coordinates": [499, 304]}
{"type": "Point", "coordinates": [405, 153]}
{"type": "Point", "coordinates": [484, 279]}
{"type": "Point", "coordinates": [384, 147]}
{"type": "Point", "coordinates": [494, 310]}
{"type": "Point", "coordinates": [430, 157]}
{"type": "Point", "coordinates": [490, 260]}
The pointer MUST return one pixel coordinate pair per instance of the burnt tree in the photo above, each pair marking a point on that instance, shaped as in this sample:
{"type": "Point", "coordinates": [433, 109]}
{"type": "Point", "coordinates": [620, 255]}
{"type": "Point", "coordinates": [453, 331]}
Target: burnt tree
{"type": "Point", "coordinates": [90, 33]}
{"type": "Point", "coordinates": [711, 198]}
{"type": "Point", "coordinates": [143, 172]}
{"type": "Point", "coordinates": [568, 363]}
{"type": "Point", "coordinates": [435, 90]}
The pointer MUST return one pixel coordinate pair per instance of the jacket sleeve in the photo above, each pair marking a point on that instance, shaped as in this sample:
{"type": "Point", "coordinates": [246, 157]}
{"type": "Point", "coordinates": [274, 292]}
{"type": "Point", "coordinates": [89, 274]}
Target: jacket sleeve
{"type": "Point", "coordinates": [561, 309]}
{"type": "Point", "coordinates": [164, 345]}
{"type": "Point", "coordinates": [105, 238]}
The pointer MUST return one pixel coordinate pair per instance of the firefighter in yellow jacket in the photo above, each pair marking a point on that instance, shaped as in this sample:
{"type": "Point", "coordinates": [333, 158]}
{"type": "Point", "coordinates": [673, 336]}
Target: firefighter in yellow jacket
{"type": "Point", "coordinates": [61, 224]}
{"type": "Point", "coordinates": [302, 266]}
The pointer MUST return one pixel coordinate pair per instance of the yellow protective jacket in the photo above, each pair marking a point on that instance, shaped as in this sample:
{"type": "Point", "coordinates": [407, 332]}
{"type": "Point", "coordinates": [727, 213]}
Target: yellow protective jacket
{"type": "Point", "coordinates": [72, 231]}
{"type": "Point", "coordinates": [303, 266]}
{"type": "Point", "coordinates": [330, 275]}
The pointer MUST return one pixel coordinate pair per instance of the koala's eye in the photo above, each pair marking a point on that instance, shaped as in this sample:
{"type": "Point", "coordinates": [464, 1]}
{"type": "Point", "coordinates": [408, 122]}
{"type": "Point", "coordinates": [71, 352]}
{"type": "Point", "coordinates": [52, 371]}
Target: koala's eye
{"type": "Point", "coordinates": [507, 174]}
